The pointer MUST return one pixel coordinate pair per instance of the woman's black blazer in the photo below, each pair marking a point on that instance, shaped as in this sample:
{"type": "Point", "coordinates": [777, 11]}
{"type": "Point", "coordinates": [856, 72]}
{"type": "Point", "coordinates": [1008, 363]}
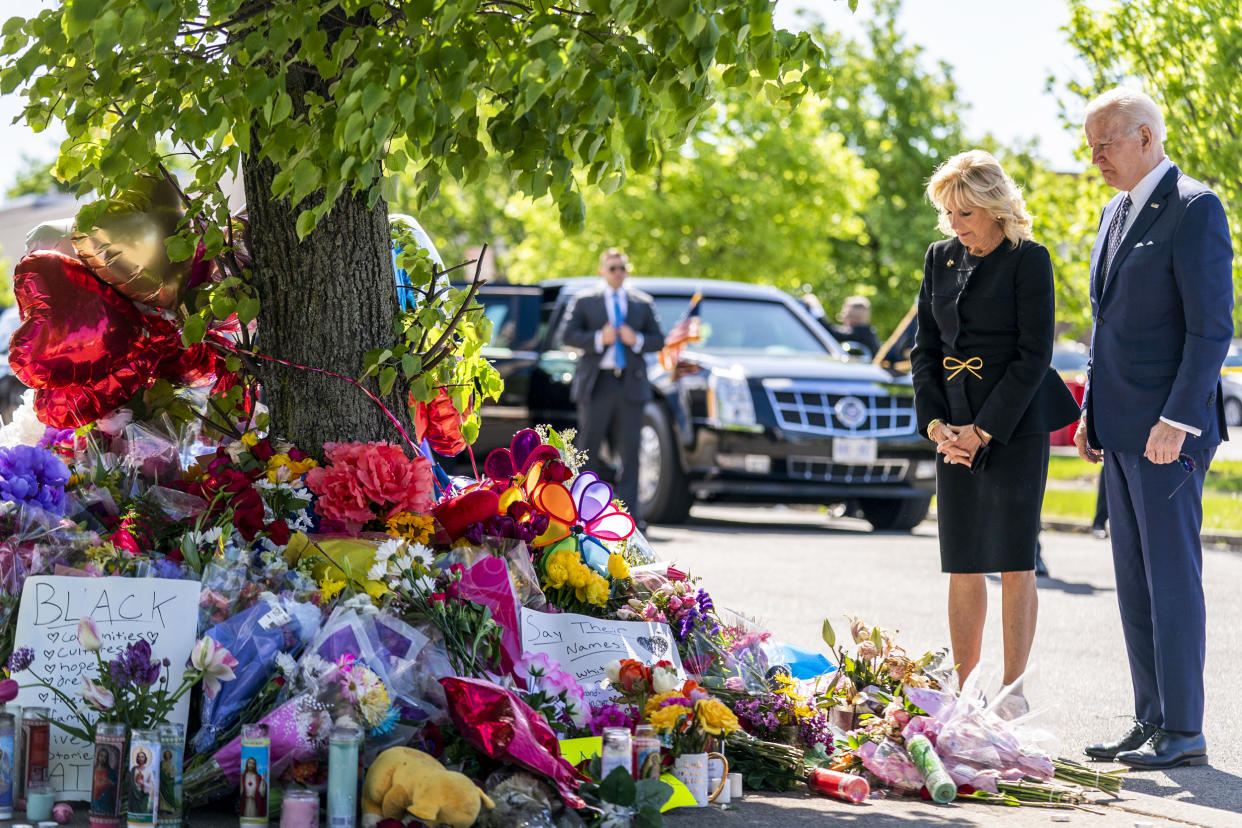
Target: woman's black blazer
{"type": "Point", "coordinates": [1000, 310]}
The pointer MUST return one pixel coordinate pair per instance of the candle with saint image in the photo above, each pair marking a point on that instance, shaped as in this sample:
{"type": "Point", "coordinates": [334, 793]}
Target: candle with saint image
{"type": "Point", "coordinates": [172, 747]}
{"type": "Point", "coordinates": [35, 745]}
{"type": "Point", "coordinates": [8, 736]}
{"type": "Point", "coordinates": [255, 764]}
{"type": "Point", "coordinates": [144, 778]}
{"type": "Point", "coordinates": [108, 774]}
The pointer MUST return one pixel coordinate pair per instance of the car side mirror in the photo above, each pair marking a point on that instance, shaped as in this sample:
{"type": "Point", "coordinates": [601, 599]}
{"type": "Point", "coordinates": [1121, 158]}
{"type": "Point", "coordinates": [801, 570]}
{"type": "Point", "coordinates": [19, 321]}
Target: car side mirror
{"type": "Point", "coordinates": [857, 350]}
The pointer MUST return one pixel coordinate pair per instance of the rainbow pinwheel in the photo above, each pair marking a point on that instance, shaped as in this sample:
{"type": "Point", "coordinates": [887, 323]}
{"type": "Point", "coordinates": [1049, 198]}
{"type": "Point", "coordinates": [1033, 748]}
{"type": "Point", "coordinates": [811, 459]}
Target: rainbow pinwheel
{"type": "Point", "coordinates": [525, 450]}
{"type": "Point", "coordinates": [585, 508]}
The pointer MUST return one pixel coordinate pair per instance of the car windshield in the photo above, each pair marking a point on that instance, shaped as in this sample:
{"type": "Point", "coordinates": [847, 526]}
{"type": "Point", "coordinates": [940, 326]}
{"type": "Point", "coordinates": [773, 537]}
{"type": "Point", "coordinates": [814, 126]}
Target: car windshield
{"type": "Point", "coordinates": [769, 327]}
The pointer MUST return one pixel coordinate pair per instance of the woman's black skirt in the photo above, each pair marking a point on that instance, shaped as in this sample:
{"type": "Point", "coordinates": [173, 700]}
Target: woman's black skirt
{"type": "Point", "coordinates": [989, 520]}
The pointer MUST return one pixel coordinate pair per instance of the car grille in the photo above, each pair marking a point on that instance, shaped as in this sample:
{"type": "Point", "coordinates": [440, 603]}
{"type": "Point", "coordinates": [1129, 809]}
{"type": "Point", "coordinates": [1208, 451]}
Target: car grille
{"type": "Point", "coordinates": [812, 407]}
{"type": "Point", "coordinates": [816, 468]}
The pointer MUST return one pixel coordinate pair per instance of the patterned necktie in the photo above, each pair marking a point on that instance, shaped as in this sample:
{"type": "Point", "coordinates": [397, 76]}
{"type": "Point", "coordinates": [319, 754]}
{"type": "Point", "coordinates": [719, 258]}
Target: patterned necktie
{"type": "Point", "coordinates": [620, 320]}
{"type": "Point", "coordinates": [1115, 232]}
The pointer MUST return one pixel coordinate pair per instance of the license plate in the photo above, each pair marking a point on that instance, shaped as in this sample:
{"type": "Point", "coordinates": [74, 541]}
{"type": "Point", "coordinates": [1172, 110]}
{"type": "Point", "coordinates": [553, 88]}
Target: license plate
{"type": "Point", "coordinates": [854, 450]}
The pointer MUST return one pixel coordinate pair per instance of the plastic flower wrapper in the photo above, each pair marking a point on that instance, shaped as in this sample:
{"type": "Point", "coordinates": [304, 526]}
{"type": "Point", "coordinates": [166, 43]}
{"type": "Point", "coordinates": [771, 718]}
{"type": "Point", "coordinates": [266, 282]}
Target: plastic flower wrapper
{"type": "Point", "coordinates": [255, 636]}
{"type": "Point", "coordinates": [154, 451]}
{"type": "Point", "coordinates": [32, 542]}
{"type": "Point", "coordinates": [222, 580]}
{"type": "Point", "coordinates": [891, 764]}
{"type": "Point", "coordinates": [505, 728]}
{"type": "Point", "coordinates": [516, 555]}
{"type": "Point", "coordinates": [299, 731]}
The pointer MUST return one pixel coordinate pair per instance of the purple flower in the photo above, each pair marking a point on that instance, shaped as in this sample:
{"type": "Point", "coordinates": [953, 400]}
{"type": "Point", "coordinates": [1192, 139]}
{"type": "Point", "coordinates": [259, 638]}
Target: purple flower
{"type": "Point", "coordinates": [20, 659]}
{"type": "Point", "coordinates": [170, 570]}
{"type": "Point", "coordinates": [611, 715]}
{"type": "Point", "coordinates": [135, 666]}
{"type": "Point", "coordinates": [33, 476]}
{"type": "Point", "coordinates": [54, 436]}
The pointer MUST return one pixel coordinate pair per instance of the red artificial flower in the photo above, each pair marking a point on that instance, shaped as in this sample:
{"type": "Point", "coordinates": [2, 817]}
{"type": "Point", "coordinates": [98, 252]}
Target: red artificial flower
{"type": "Point", "coordinates": [340, 497]}
{"type": "Point", "coordinates": [278, 532]}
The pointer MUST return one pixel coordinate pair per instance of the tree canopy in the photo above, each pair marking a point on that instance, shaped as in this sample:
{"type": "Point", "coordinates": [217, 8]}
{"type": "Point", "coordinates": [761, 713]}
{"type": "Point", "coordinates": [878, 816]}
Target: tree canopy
{"type": "Point", "coordinates": [1185, 55]}
{"type": "Point", "coordinates": [315, 100]}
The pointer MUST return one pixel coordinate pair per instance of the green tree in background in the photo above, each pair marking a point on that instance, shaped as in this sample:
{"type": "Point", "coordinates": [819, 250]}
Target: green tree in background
{"type": "Point", "coordinates": [1185, 55]}
{"type": "Point", "coordinates": [756, 195]}
{"type": "Point", "coordinates": [35, 178]}
{"type": "Point", "coordinates": [314, 101]}
{"type": "Point", "coordinates": [827, 199]}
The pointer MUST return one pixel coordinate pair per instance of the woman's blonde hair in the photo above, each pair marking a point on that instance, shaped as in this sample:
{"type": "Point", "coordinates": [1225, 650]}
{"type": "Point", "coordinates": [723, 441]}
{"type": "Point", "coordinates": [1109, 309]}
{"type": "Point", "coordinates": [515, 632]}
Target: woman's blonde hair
{"type": "Point", "coordinates": [975, 180]}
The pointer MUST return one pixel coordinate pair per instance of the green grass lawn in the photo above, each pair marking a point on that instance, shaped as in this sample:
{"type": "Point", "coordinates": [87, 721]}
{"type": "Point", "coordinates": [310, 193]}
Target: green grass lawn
{"type": "Point", "coordinates": [1072, 488]}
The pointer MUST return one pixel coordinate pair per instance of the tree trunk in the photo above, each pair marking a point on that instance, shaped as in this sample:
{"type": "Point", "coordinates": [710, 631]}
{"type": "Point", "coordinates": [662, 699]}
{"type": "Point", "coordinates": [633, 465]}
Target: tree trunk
{"type": "Point", "coordinates": [325, 301]}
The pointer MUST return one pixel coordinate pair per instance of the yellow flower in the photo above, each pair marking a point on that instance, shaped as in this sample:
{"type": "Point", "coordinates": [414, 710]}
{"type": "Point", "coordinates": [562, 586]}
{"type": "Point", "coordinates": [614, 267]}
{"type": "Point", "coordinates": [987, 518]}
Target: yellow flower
{"type": "Point", "coordinates": [250, 438]}
{"type": "Point", "coordinates": [375, 589]}
{"type": "Point", "coordinates": [414, 528]}
{"type": "Point", "coordinates": [556, 575]}
{"type": "Point", "coordinates": [598, 590]}
{"type": "Point", "coordinates": [282, 469]}
{"type": "Point", "coordinates": [617, 567]}
{"type": "Point", "coordinates": [653, 703]}
{"type": "Point", "coordinates": [667, 718]}
{"type": "Point", "coordinates": [329, 589]}
{"type": "Point", "coordinates": [579, 576]}
{"type": "Point", "coordinates": [715, 718]}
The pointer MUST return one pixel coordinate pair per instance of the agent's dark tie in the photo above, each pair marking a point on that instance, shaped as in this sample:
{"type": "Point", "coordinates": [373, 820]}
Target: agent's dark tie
{"type": "Point", "coordinates": [620, 320]}
{"type": "Point", "coordinates": [1115, 231]}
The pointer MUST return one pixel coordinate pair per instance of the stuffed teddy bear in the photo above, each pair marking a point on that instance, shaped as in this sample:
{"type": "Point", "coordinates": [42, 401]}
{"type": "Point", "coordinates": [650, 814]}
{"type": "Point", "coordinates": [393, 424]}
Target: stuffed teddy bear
{"type": "Point", "coordinates": [405, 781]}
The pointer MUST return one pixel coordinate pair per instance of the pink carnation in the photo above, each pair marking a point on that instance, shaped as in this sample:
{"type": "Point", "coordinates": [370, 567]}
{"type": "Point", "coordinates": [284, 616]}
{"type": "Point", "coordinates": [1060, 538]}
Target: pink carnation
{"type": "Point", "coordinates": [341, 497]}
{"type": "Point", "coordinates": [389, 477]}
{"type": "Point", "coordinates": [345, 454]}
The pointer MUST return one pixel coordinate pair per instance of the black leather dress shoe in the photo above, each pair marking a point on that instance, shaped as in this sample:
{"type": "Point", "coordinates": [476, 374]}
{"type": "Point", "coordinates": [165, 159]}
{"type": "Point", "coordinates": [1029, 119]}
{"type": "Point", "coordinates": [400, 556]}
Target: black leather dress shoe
{"type": "Point", "coordinates": [1138, 735]}
{"type": "Point", "coordinates": [1166, 750]}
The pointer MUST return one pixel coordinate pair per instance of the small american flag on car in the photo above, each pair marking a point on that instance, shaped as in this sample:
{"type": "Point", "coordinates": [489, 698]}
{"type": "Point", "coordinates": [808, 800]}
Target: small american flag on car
{"type": "Point", "coordinates": [685, 329]}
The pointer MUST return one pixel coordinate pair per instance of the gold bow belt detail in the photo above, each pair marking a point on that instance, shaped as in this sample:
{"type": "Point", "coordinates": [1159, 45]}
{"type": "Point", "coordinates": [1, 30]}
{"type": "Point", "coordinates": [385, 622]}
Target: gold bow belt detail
{"type": "Point", "coordinates": [956, 366]}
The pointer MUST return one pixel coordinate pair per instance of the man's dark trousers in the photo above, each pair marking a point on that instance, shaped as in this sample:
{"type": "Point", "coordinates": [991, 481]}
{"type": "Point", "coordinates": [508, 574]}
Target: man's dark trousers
{"type": "Point", "coordinates": [608, 412]}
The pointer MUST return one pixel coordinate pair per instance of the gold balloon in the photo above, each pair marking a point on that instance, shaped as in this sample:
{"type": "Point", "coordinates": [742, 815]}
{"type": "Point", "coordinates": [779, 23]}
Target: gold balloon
{"type": "Point", "coordinates": [126, 246]}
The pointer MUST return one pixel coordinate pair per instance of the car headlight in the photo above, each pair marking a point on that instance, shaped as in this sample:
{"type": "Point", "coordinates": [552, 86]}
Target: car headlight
{"type": "Point", "coordinates": [729, 403]}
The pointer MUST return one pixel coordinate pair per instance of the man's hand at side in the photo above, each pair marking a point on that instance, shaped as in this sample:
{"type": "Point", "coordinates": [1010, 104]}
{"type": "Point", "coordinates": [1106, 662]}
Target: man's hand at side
{"type": "Point", "coordinates": [1164, 443]}
{"type": "Point", "coordinates": [1080, 442]}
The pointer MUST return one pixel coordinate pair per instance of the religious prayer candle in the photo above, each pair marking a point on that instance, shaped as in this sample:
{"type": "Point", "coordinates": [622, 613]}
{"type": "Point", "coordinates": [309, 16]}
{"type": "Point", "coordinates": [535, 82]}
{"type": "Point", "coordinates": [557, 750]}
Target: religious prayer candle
{"type": "Point", "coordinates": [939, 784]}
{"type": "Point", "coordinates": [144, 778]}
{"type": "Point", "coordinates": [35, 745]}
{"type": "Point", "coordinates": [8, 740]}
{"type": "Point", "coordinates": [343, 775]}
{"type": "Point", "coordinates": [39, 801]}
{"type": "Point", "coordinates": [172, 746]}
{"type": "Point", "coordinates": [299, 809]}
{"type": "Point", "coordinates": [254, 787]}
{"type": "Point", "coordinates": [843, 786]}
{"type": "Point", "coordinates": [107, 775]}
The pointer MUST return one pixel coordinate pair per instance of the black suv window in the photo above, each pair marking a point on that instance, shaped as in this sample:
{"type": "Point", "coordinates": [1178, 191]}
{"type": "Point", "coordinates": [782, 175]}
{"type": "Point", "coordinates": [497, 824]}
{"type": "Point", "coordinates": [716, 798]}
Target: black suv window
{"type": "Point", "coordinates": [743, 325]}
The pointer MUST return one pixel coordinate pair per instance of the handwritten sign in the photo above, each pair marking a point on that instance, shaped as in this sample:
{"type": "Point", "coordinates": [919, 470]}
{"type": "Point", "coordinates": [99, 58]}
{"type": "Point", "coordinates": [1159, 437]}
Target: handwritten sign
{"type": "Point", "coordinates": [125, 610]}
{"type": "Point", "coordinates": [584, 645]}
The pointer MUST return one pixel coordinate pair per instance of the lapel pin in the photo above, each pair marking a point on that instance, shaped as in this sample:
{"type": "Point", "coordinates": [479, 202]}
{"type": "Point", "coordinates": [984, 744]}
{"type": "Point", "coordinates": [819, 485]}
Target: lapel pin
{"type": "Point", "coordinates": [949, 263]}
{"type": "Point", "coordinates": [1155, 204]}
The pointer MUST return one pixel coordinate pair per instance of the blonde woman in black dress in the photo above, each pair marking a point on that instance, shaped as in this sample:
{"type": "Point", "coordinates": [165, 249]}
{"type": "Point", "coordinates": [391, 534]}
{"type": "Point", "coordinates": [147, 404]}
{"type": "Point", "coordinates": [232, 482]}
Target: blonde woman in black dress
{"type": "Point", "coordinates": [986, 394]}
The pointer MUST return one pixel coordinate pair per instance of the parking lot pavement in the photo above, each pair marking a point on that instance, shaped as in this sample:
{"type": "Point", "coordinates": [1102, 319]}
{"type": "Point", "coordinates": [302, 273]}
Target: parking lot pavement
{"type": "Point", "coordinates": [790, 569]}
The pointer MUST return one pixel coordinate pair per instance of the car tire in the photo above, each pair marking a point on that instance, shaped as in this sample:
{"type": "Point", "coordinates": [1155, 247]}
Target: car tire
{"type": "Point", "coordinates": [1233, 412]}
{"type": "Point", "coordinates": [662, 490]}
{"type": "Point", "coordinates": [896, 514]}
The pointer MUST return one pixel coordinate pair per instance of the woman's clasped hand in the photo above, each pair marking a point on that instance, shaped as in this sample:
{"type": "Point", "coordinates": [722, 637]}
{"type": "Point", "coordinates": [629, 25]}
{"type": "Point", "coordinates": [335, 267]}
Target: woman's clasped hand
{"type": "Point", "coordinates": [958, 444]}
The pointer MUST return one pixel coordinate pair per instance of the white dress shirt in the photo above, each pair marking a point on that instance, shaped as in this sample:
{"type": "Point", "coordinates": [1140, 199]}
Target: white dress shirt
{"type": "Point", "coordinates": [609, 359]}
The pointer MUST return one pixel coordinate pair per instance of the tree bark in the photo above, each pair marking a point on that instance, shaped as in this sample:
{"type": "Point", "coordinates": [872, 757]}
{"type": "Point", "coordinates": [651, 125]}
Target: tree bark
{"type": "Point", "coordinates": [325, 301]}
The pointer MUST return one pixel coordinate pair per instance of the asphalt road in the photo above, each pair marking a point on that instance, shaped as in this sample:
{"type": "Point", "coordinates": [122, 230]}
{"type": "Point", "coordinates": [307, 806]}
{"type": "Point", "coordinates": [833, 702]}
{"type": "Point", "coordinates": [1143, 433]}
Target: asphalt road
{"type": "Point", "coordinates": [790, 569]}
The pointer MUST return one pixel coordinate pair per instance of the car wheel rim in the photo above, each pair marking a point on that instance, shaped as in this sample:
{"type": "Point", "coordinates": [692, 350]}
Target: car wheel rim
{"type": "Point", "coordinates": [648, 464]}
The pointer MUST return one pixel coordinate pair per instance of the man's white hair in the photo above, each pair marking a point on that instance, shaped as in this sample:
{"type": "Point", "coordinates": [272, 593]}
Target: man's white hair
{"type": "Point", "coordinates": [1132, 108]}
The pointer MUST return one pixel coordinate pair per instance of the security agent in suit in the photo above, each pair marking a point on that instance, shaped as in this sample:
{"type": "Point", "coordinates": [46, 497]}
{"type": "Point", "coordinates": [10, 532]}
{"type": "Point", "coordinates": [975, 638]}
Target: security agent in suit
{"type": "Point", "coordinates": [1162, 299]}
{"type": "Point", "coordinates": [613, 327]}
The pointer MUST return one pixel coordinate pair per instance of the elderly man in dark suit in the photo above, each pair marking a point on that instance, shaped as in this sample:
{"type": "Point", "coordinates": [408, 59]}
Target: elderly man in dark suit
{"type": "Point", "coordinates": [613, 327]}
{"type": "Point", "coordinates": [1162, 299]}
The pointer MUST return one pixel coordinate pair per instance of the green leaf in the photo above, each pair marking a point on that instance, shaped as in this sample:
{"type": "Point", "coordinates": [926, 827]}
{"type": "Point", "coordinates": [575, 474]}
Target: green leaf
{"type": "Point", "coordinates": [180, 248]}
{"type": "Point", "coordinates": [618, 787]}
{"type": "Point", "coordinates": [247, 309]}
{"type": "Point", "coordinates": [386, 379]}
{"type": "Point", "coordinates": [193, 331]}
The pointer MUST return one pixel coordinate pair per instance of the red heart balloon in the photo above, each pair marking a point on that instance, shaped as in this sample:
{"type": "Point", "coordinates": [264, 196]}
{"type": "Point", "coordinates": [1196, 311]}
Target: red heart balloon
{"type": "Point", "coordinates": [75, 330]}
{"type": "Point", "coordinates": [457, 513]}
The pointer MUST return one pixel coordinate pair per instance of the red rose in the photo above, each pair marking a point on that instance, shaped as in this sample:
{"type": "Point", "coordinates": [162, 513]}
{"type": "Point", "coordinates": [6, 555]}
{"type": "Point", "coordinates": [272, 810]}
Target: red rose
{"type": "Point", "coordinates": [278, 532]}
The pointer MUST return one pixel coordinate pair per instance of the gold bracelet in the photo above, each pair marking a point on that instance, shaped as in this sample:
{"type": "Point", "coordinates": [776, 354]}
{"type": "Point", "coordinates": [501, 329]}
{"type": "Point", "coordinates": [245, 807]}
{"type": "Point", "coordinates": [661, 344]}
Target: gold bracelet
{"type": "Point", "coordinates": [984, 437]}
{"type": "Point", "coordinates": [931, 427]}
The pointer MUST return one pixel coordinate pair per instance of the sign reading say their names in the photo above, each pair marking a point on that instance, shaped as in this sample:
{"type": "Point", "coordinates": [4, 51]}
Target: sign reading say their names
{"type": "Point", "coordinates": [584, 646]}
{"type": "Point", "coordinates": [164, 612]}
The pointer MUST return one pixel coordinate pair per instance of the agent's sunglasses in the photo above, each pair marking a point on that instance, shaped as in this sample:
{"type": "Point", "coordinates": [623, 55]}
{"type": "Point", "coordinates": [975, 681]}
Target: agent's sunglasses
{"type": "Point", "coordinates": [1186, 462]}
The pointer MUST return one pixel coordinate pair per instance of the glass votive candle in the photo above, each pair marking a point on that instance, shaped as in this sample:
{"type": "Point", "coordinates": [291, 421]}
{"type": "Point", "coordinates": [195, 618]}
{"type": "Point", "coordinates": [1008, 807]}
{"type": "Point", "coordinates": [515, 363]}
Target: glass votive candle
{"type": "Point", "coordinates": [39, 801]}
{"type": "Point", "coordinates": [299, 809]}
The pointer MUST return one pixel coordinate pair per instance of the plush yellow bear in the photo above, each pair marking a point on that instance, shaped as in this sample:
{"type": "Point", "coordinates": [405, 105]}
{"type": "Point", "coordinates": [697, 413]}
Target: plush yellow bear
{"type": "Point", "coordinates": [406, 781]}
